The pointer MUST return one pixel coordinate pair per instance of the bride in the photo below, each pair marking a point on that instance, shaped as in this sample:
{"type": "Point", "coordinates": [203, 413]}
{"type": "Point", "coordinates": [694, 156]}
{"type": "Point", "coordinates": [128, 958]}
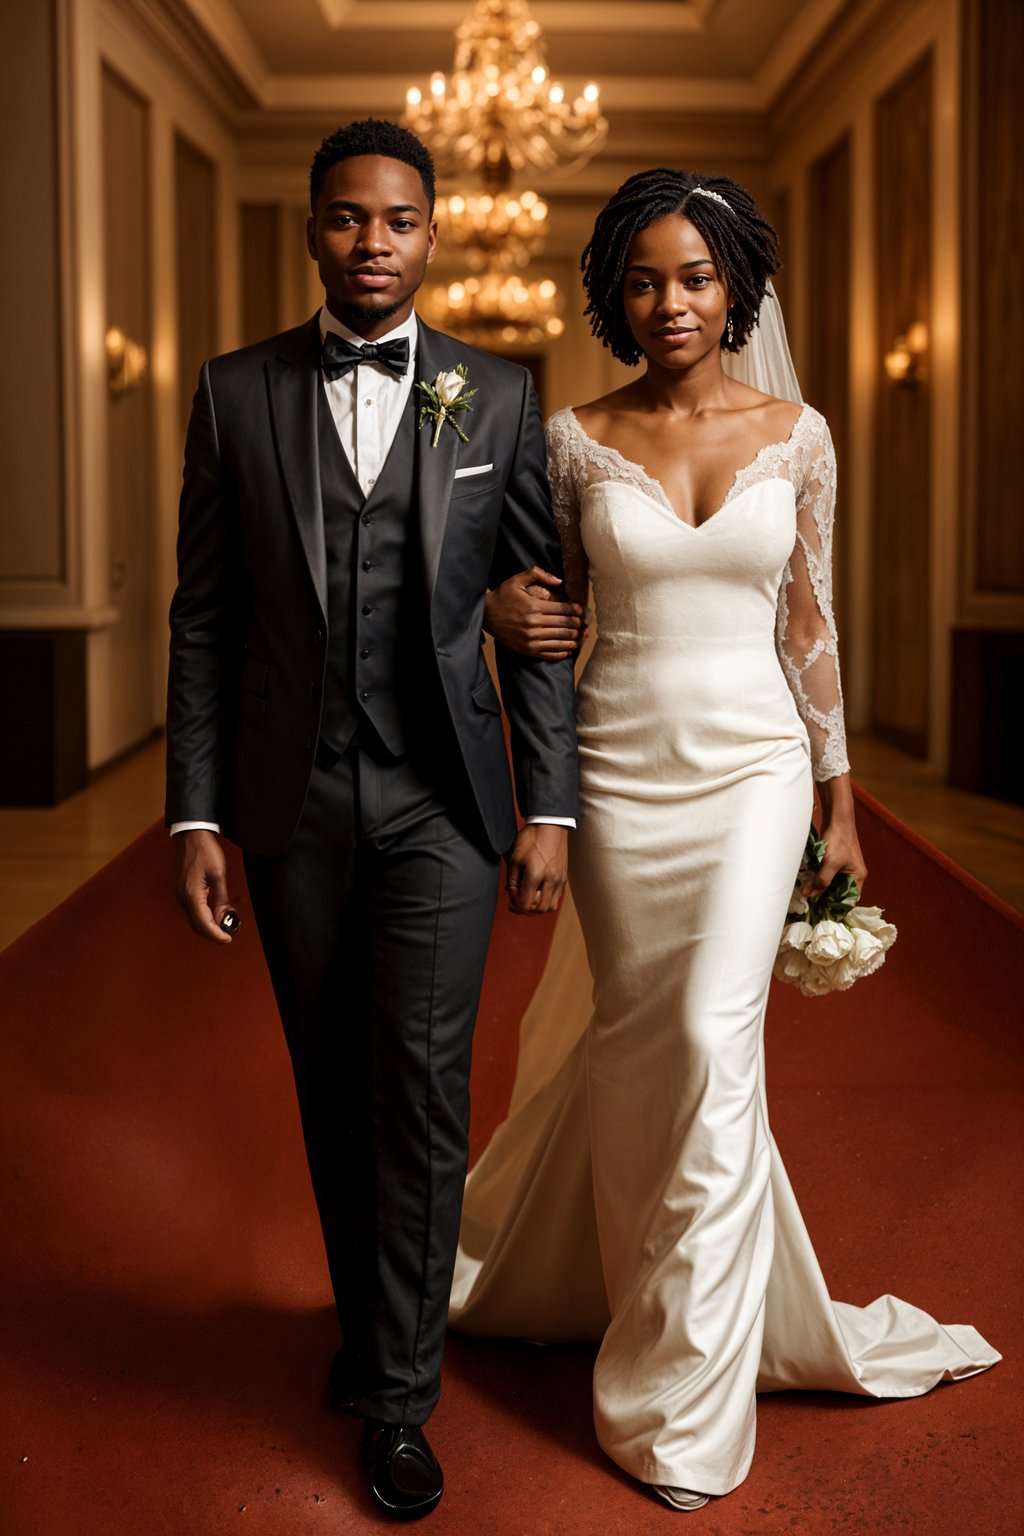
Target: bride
{"type": "Point", "coordinates": [634, 1195]}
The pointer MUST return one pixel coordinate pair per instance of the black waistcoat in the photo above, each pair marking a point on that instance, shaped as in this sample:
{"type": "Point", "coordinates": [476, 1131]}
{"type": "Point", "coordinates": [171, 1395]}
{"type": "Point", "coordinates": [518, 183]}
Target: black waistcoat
{"type": "Point", "coordinates": [378, 637]}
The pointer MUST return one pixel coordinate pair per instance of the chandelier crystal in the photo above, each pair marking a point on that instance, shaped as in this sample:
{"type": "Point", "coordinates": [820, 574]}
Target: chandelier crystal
{"type": "Point", "coordinates": [500, 230]}
{"type": "Point", "coordinates": [499, 110]}
{"type": "Point", "coordinates": [495, 309]}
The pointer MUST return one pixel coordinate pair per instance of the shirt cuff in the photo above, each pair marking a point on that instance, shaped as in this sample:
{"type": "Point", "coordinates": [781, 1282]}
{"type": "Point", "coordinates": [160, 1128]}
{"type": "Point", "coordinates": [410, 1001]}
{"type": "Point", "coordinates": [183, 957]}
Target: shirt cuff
{"type": "Point", "coordinates": [193, 826]}
{"type": "Point", "coordinates": [551, 821]}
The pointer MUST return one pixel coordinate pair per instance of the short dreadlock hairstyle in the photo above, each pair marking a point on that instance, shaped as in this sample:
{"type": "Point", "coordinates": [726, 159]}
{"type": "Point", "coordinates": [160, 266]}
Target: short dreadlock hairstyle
{"type": "Point", "coordinates": [743, 245]}
{"type": "Point", "coordinates": [372, 136]}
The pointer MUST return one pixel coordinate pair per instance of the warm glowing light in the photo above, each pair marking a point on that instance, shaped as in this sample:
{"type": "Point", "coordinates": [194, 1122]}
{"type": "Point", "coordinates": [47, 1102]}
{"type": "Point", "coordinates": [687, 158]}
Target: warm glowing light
{"type": "Point", "coordinates": [494, 232]}
{"type": "Point", "coordinates": [495, 307]}
{"type": "Point", "coordinates": [905, 362]}
{"type": "Point", "coordinates": [497, 110]}
{"type": "Point", "coordinates": [917, 338]}
{"type": "Point", "coordinates": [127, 362]}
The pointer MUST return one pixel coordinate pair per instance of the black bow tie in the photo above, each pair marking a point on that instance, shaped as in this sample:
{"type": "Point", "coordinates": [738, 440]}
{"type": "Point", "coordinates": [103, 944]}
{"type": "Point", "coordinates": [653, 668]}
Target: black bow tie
{"type": "Point", "coordinates": [340, 356]}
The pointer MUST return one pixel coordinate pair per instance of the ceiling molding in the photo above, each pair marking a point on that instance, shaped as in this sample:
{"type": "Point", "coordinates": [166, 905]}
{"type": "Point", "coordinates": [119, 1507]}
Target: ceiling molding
{"type": "Point", "coordinates": [658, 17]}
{"type": "Point", "coordinates": [351, 94]}
{"type": "Point", "coordinates": [804, 34]}
{"type": "Point", "coordinates": [228, 40]}
{"type": "Point", "coordinates": [228, 32]}
{"type": "Point", "coordinates": [180, 33]}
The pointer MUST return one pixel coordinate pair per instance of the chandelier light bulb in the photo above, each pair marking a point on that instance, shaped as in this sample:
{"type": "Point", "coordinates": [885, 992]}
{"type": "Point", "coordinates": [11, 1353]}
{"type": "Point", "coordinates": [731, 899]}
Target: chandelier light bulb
{"type": "Point", "coordinates": [497, 110]}
{"type": "Point", "coordinates": [494, 307]}
{"type": "Point", "coordinates": [495, 114]}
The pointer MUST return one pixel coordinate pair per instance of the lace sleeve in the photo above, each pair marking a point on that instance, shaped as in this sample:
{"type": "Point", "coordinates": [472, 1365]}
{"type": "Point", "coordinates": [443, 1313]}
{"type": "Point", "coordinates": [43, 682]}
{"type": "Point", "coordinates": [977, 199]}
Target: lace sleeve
{"type": "Point", "coordinates": [805, 628]}
{"type": "Point", "coordinates": [563, 473]}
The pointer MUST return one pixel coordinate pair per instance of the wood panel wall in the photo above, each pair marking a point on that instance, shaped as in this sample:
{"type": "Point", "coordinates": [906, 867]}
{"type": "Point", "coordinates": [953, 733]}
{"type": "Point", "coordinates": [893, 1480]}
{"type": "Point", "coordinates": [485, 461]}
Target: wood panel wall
{"type": "Point", "coordinates": [995, 292]}
{"type": "Point", "coordinates": [780, 217]}
{"type": "Point", "coordinates": [195, 196]}
{"type": "Point", "coordinates": [131, 508]}
{"type": "Point", "coordinates": [902, 491]}
{"type": "Point", "coordinates": [261, 266]}
{"type": "Point", "coordinates": [32, 546]}
{"type": "Point", "coordinates": [828, 350]}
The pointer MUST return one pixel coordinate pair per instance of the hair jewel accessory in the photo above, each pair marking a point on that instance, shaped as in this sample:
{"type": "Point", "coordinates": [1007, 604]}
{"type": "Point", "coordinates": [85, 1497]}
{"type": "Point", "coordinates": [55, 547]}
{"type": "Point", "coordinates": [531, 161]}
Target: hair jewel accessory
{"type": "Point", "coordinates": [717, 196]}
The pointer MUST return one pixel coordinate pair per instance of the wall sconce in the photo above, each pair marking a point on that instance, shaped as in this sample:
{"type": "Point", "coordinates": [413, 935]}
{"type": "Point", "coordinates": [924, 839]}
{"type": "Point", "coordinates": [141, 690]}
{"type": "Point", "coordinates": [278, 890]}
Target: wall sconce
{"type": "Point", "coordinates": [905, 363]}
{"type": "Point", "coordinates": [127, 362]}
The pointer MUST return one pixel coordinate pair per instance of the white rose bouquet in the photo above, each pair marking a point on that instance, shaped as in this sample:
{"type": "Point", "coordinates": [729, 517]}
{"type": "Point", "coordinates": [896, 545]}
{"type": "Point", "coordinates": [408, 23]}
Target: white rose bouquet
{"type": "Point", "coordinates": [828, 942]}
{"type": "Point", "coordinates": [445, 399]}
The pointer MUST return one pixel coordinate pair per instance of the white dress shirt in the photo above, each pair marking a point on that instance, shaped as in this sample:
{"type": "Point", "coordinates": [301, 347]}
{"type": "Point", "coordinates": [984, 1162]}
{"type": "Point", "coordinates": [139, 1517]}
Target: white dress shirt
{"type": "Point", "coordinates": [367, 404]}
{"type": "Point", "coordinates": [368, 401]}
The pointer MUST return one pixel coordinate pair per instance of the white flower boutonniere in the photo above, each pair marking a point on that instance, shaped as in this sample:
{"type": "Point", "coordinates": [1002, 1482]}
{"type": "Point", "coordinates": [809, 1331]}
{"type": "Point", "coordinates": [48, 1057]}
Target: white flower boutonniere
{"type": "Point", "coordinates": [445, 399]}
{"type": "Point", "coordinates": [828, 941]}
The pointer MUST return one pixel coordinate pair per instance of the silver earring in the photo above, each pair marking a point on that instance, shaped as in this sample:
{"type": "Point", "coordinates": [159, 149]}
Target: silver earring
{"type": "Point", "coordinates": [729, 333]}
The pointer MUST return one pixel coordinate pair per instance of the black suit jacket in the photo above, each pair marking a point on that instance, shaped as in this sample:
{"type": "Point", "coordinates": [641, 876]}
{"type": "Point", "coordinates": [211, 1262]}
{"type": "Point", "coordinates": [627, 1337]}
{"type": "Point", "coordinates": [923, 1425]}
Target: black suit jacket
{"type": "Point", "coordinates": [249, 621]}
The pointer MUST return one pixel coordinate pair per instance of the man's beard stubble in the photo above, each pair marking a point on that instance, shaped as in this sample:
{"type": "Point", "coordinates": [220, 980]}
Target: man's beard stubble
{"type": "Point", "coordinates": [354, 315]}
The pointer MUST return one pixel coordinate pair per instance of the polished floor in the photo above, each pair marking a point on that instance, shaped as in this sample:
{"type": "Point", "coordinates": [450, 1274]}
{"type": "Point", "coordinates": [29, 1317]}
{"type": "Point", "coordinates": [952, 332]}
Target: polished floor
{"type": "Point", "coordinates": [46, 854]}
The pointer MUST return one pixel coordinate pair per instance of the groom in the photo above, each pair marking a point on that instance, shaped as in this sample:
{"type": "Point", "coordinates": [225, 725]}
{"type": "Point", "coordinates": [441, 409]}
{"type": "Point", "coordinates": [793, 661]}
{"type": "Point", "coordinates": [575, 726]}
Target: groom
{"type": "Point", "coordinates": [330, 709]}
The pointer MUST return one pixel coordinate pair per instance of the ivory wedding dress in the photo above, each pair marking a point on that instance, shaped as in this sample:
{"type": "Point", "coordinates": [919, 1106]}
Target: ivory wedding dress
{"type": "Point", "coordinates": [634, 1195]}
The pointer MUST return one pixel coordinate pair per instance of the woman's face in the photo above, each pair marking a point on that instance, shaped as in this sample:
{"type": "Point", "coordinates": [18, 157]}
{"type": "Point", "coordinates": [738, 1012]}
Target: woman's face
{"type": "Point", "coordinates": [675, 300]}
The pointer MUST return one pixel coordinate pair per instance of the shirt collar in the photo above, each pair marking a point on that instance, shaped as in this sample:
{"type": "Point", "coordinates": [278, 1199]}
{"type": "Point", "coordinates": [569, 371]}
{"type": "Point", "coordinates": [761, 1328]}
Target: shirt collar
{"type": "Point", "coordinates": [409, 328]}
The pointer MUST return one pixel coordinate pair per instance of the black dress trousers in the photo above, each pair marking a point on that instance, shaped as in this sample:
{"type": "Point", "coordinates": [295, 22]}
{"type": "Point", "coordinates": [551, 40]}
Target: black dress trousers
{"type": "Point", "coordinates": [375, 923]}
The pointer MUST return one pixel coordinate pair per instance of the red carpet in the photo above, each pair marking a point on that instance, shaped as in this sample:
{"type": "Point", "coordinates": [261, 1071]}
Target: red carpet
{"type": "Point", "coordinates": [166, 1323]}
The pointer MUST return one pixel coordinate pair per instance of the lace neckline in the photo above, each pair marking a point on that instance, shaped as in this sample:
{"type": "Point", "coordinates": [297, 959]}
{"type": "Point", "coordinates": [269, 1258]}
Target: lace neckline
{"type": "Point", "coordinates": [656, 490]}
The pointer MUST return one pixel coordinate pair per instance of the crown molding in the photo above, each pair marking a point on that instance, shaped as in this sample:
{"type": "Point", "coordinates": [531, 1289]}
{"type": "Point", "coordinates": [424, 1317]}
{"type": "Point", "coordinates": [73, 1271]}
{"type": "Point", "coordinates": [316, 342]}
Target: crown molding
{"type": "Point", "coordinates": [351, 94]}
{"type": "Point", "coordinates": [805, 33]}
{"type": "Point", "coordinates": [662, 17]}
{"type": "Point", "coordinates": [222, 67]}
{"type": "Point", "coordinates": [211, 35]}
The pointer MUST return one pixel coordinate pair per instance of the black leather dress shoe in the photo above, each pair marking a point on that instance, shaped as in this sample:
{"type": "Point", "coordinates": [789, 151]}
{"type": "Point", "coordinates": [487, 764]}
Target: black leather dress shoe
{"type": "Point", "coordinates": [406, 1480]}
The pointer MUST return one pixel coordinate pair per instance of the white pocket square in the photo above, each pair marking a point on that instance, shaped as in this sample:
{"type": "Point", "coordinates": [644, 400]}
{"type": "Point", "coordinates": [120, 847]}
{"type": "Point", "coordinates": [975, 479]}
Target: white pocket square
{"type": "Point", "coordinates": [472, 469]}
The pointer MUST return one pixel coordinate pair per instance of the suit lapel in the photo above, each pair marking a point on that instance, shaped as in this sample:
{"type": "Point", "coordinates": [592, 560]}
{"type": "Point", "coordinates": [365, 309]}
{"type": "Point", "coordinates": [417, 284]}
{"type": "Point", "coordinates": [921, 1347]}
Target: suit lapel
{"type": "Point", "coordinates": [435, 466]}
{"type": "Point", "coordinates": [292, 385]}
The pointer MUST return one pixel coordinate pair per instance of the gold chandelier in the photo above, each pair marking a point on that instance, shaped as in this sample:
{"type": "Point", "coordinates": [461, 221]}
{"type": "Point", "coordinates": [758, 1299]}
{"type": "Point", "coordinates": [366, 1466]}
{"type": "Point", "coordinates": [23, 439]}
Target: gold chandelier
{"type": "Point", "coordinates": [502, 230]}
{"type": "Point", "coordinates": [495, 309]}
{"type": "Point", "coordinates": [499, 111]}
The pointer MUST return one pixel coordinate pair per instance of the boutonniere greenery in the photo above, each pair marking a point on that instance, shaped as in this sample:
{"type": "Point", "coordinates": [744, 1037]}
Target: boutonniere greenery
{"type": "Point", "coordinates": [445, 399]}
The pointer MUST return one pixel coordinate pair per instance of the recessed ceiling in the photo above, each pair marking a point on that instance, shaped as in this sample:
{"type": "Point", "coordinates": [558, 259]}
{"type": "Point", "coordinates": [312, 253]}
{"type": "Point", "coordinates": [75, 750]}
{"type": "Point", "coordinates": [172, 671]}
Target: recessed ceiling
{"type": "Point", "coordinates": [745, 47]}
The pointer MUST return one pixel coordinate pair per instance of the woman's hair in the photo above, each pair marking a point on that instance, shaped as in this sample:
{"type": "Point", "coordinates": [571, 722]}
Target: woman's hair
{"type": "Point", "coordinates": [743, 245]}
{"type": "Point", "coordinates": [372, 136]}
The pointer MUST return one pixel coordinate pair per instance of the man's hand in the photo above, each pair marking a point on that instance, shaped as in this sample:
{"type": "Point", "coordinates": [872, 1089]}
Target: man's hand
{"type": "Point", "coordinates": [202, 888]}
{"type": "Point", "coordinates": [538, 868]}
{"type": "Point", "coordinates": [523, 616]}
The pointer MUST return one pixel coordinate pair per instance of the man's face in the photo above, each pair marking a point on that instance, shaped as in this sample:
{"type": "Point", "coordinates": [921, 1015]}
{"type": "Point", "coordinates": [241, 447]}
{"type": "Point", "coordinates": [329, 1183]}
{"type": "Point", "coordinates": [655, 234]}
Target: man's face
{"type": "Point", "coordinates": [372, 239]}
